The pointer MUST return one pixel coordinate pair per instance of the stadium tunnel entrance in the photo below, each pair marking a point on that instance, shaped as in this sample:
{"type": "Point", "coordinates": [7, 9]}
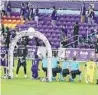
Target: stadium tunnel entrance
{"type": "Point", "coordinates": [29, 32]}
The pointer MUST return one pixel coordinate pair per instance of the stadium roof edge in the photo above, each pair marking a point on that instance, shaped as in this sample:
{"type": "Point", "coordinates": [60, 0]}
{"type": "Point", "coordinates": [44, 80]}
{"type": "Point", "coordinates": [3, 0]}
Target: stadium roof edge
{"type": "Point", "coordinates": [50, 0]}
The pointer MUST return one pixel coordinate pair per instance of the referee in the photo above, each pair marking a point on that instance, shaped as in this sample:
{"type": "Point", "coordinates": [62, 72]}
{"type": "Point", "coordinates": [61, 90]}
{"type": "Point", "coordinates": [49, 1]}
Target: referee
{"type": "Point", "coordinates": [96, 51]}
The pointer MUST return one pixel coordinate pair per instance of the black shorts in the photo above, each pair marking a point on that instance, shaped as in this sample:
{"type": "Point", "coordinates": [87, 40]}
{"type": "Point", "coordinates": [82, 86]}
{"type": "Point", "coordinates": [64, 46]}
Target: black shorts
{"type": "Point", "coordinates": [59, 69]}
{"type": "Point", "coordinates": [54, 71]}
{"type": "Point", "coordinates": [21, 64]}
{"type": "Point", "coordinates": [44, 69]}
{"type": "Point", "coordinates": [74, 73]}
{"type": "Point", "coordinates": [65, 72]}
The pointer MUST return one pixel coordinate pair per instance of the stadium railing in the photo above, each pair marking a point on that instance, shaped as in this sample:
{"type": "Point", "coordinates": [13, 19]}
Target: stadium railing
{"type": "Point", "coordinates": [88, 35]}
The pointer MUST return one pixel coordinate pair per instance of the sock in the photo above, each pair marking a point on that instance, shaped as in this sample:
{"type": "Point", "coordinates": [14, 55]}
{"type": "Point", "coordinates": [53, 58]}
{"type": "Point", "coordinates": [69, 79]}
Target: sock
{"type": "Point", "coordinates": [80, 78]}
{"type": "Point", "coordinates": [53, 78]}
{"type": "Point", "coordinates": [61, 76]}
{"type": "Point", "coordinates": [97, 81]}
{"type": "Point", "coordinates": [4, 71]}
{"type": "Point", "coordinates": [71, 79]}
{"type": "Point", "coordinates": [96, 60]}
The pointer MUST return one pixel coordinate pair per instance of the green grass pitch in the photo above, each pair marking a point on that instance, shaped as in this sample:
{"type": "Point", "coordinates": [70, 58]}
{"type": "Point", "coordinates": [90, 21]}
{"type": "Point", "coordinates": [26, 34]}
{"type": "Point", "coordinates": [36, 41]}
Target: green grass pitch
{"type": "Point", "coordinates": [22, 86]}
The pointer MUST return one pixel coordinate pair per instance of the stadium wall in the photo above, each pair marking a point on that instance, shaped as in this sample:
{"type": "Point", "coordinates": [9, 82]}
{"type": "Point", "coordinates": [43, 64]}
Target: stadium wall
{"type": "Point", "coordinates": [81, 54]}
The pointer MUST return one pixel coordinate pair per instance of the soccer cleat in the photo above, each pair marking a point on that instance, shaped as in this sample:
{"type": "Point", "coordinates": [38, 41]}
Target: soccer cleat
{"type": "Point", "coordinates": [4, 77]}
{"type": "Point", "coordinates": [53, 78]}
{"type": "Point", "coordinates": [71, 80]}
{"type": "Point", "coordinates": [80, 80]}
{"type": "Point", "coordinates": [16, 76]}
{"type": "Point", "coordinates": [97, 81]}
{"type": "Point", "coordinates": [86, 81]}
{"type": "Point", "coordinates": [38, 78]}
{"type": "Point", "coordinates": [25, 76]}
{"type": "Point", "coordinates": [58, 79]}
{"type": "Point", "coordinates": [33, 78]}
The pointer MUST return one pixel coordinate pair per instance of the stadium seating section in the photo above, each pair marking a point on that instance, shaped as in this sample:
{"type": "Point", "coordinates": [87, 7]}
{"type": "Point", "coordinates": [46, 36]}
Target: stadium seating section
{"type": "Point", "coordinates": [53, 33]}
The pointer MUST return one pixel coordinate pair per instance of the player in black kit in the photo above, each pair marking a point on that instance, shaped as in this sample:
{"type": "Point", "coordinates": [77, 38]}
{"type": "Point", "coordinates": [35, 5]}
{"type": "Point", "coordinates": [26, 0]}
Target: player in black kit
{"type": "Point", "coordinates": [22, 53]}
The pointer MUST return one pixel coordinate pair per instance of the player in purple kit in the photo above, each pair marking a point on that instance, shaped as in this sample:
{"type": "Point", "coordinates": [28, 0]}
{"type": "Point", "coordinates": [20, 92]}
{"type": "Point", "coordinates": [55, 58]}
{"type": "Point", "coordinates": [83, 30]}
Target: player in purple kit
{"type": "Point", "coordinates": [3, 63]}
{"type": "Point", "coordinates": [22, 10]}
{"type": "Point", "coordinates": [36, 15]}
{"type": "Point", "coordinates": [54, 16]}
{"type": "Point", "coordinates": [34, 67]}
{"type": "Point", "coordinates": [83, 13]}
{"type": "Point", "coordinates": [27, 11]}
{"type": "Point", "coordinates": [31, 14]}
{"type": "Point", "coordinates": [8, 9]}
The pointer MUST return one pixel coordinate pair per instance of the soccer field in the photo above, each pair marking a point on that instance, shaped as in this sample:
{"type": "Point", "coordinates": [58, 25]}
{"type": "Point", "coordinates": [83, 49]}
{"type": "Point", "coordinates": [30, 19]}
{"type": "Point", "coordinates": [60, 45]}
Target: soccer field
{"type": "Point", "coordinates": [22, 86]}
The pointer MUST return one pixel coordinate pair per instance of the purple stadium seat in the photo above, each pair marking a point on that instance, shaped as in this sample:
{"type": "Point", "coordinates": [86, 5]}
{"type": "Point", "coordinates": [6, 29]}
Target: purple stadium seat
{"type": "Point", "coordinates": [54, 33]}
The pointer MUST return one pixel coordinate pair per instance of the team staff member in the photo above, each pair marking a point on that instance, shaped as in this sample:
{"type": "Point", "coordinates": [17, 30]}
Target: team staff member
{"type": "Point", "coordinates": [64, 36]}
{"type": "Point", "coordinates": [76, 33]}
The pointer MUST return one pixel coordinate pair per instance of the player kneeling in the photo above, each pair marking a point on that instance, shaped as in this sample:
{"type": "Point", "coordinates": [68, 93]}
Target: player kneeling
{"type": "Point", "coordinates": [65, 68]}
{"type": "Point", "coordinates": [55, 66]}
{"type": "Point", "coordinates": [34, 67]}
{"type": "Point", "coordinates": [90, 69]}
{"type": "Point", "coordinates": [44, 65]}
{"type": "Point", "coordinates": [74, 70]}
{"type": "Point", "coordinates": [3, 64]}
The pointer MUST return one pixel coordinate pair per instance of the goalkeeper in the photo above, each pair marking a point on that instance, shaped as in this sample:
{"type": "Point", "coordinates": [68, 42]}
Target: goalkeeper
{"type": "Point", "coordinates": [90, 69]}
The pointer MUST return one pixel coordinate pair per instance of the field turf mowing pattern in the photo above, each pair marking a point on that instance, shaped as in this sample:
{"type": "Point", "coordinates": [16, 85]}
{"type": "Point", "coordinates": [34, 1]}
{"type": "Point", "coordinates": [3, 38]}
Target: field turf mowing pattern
{"type": "Point", "coordinates": [22, 86]}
